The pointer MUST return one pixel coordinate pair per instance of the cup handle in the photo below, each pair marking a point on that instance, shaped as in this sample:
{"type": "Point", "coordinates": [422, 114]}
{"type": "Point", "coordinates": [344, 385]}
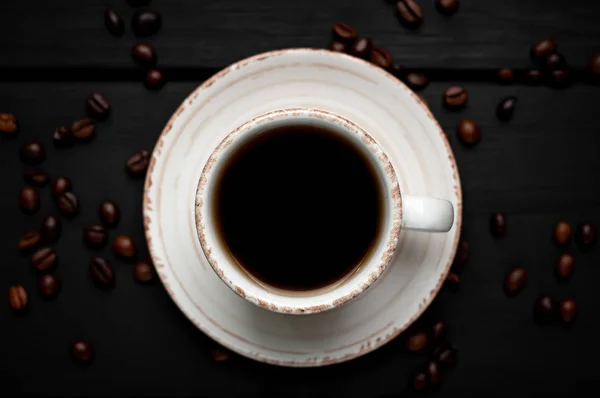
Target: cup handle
{"type": "Point", "coordinates": [423, 213]}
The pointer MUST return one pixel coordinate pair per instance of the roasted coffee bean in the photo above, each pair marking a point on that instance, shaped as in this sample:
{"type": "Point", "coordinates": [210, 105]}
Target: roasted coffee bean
{"type": "Point", "coordinates": [554, 61]}
{"type": "Point", "coordinates": [462, 255]}
{"type": "Point", "coordinates": [498, 224]}
{"type": "Point", "coordinates": [83, 130]}
{"type": "Point", "coordinates": [585, 237]}
{"type": "Point", "coordinates": [361, 47]}
{"type": "Point", "coordinates": [559, 78]}
{"type": "Point", "coordinates": [138, 3]}
{"type": "Point", "coordinates": [438, 331]}
{"type": "Point", "coordinates": [8, 125]}
{"type": "Point", "coordinates": [51, 229]}
{"type": "Point", "coordinates": [447, 7]}
{"type": "Point", "coordinates": [48, 286]}
{"type": "Point", "coordinates": [95, 236]}
{"type": "Point", "coordinates": [567, 309]}
{"type": "Point", "coordinates": [61, 185]}
{"type": "Point", "coordinates": [102, 273]}
{"type": "Point", "coordinates": [445, 355]}
{"type": "Point", "coordinates": [29, 200]}
{"type": "Point", "coordinates": [109, 213]}
{"type": "Point", "coordinates": [434, 374]}
{"type": "Point", "coordinates": [138, 163]}
{"type": "Point", "coordinates": [143, 272]}
{"type": "Point", "coordinates": [338, 46]}
{"type": "Point", "coordinates": [515, 281]}
{"type": "Point", "coordinates": [29, 240]}
{"type": "Point", "coordinates": [146, 23]}
{"type": "Point", "coordinates": [452, 281]}
{"type": "Point", "coordinates": [468, 132]}
{"type": "Point", "coordinates": [542, 49]}
{"type": "Point", "coordinates": [344, 32]}
{"type": "Point", "coordinates": [543, 309]}
{"type": "Point", "coordinates": [593, 67]}
{"type": "Point", "coordinates": [68, 204]}
{"type": "Point", "coordinates": [417, 342]}
{"type": "Point", "coordinates": [219, 355]}
{"type": "Point", "coordinates": [410, 13]}
{"type": "Point", "coordinates": [37, 178]}
{"type": "Point", "coordinates": [17, 297]}
{"type": "Point", "coordinates": [98, 106]}
{"type": "Point", "coordinates": [44, 259]}
{"type": "Point", "coordinates": [506, 108]}
{"type": "Point", "coordinates": [62, 136]}
{"type": "Point", "coordinates": [506, 76]}
{"type": "Point", "coordinates": [144, 53]}
{"type": "Point", "coordinates": [562, 233]}
{"type": "Point", "coordinates": [532, 77]}
{"type": "Point", "coordinates": [155, 79]}
{"type": "Point", "coordinates": [381, 57]}
{"type": "Point", "coordinates": [33, 152]}
{"type": "Point", "coordinates": [399, 71]}
{"type": "Point", "coordinates": [123, 246]}
{"type": "Point", "coordinates": [418, 381]}
{"type": "Point", "coordinates": [416, 81]}
{"type": "Point", "coordinates": [565, 266]}
{"type": "Point", "coordinates": [82, 352]}
{"type": "Point", "coordinates": [114, 23]}
{"type": "Point", "coordinates": [455, 97]}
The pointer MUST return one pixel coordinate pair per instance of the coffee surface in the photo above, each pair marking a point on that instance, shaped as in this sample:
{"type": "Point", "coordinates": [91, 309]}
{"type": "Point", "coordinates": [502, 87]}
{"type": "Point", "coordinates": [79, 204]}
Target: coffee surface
{"type": "Point", "coordinates": [298, 207]}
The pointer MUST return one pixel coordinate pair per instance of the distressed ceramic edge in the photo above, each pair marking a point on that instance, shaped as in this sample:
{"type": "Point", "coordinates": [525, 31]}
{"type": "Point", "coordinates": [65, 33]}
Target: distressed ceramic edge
{"type": "Point", "coordinates": [147, 208]}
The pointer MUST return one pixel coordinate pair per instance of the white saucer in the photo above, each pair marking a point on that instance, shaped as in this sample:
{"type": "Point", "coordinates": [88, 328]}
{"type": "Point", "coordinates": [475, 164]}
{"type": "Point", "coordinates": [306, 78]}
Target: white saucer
{"type": "Point", "coordinates": [340, 84]}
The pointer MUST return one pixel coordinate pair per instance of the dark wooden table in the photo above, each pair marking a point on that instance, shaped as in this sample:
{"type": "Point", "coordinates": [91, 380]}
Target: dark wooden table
{"type": "Point", "coordinates": [541, 167]}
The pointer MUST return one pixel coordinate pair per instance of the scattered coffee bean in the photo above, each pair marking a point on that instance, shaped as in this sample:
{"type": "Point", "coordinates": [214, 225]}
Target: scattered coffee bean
{"type": "Point", "coordinates": [554, 61]}
{"type": "Point", "coordinates": [102, 273]}
{"type": "Point", "coordinates": [123, 246]}
{"type": "Point", "coordinates": [438, 331]}
{"type": "Point", "coordinates": [381, 57]}
{"type": "Point", "coordinates": [219, 355]}
{"type": "Point", "coordinates": [83, 130]}
{"type": "Point", "coordinates": [455, 97]}
{"type": "Point", "coordinates": [8, 125]}
{"type": "Point", "coordinates": [559, 78]}
{"type": "Point", "coordinates": [82, 352]}
{"type": "Point", "coordinates": [144, 53]}
{"type": "Point", "coordinates": [338, 46]}
{"type": "Point", "coordinates": [498, 224]}
{"type": "Point", "coordinates": [98, 106]}
{"type": "Point", "coordinates": [51, 229]}
{"type": "Point", "coordinates": [138, 3]}
{"type": "Point", "coordinates": [29, 240]}
{"type": "Point", "coordinates": [109, 213]}
{"type": "Point", "coordinates": [562, 233]}
{"type": "Point", "coordinates": [138, 163]}
{"type": "Point", "coordinates": [585, 236]}
{"type": "Point", "coordinates": [542, 49]}
{"type": "Point", "coordinates": [17, 297]}
{"type": "Point", "coordinates": [567, 310]}
{"type": "Point", "coordinates": [361, 47]}
{"type": "Point", "coordinates": [114, 23]}
{"type": "Point", "coordinates": [416, 81]}
{"type": "Point", "coordinates": [68, 204]}
{"type": "Point", "coordinates": [418, 381]}
{"type": "Point", "coordinates": [44, 259]}
{"type": "Point", "coordinates": [434, 374]}
{"type": "Point", "coordinates": [33, 152]}
{"type": "Point", "coordinates": [48, 286]}
{"type": "Point", "coordinates": [506, 108]}
{"type": "Point", "coordinates": [410, 13]}
{"type": "Point", "coordinates": [417, 342]}
{"type": "Point", "coordinates": [447, 7]}
{"type": "Point", "coordinates": [468, 132]}
{"type": "Point", "coordinates": [533, 77]}
{"type": "Point", "coordinates": [62, 137]}
{"type": "Point", "coordinates": [144, 272]}
{"type": "Point", "coordinates": [61, 185]}
{"type": "Point", "coordinates": [29, 200]}
{"type": "Point", "coordinates": [462, 255]}
{"type": "Point", "coordinates": [95, 236]}
{"type": "Point", "coordinates": [146, 23]}
{"type": "Point", "coordinates": [515, 281]}
{"type": "Point", "coordinates": [565, 266]}
{"type": "Point", "coordinates": [37, 178]}
{"type": "Point", "coordinates": [344, 32]}
{"type": "Point", "coordinates": [155, 79]}
{"type": "Point", "coordinates": [593, 67]}
{"type": "Point", "coordinates": [543, 309]}
{"type": "Point", "coordinates": [506, 76]}
{"type": "Point", "coordinates": [399, 71]}
{"type": "Point", "coordinates": [445, 355]}
{"type": "Point", "coordinates": [452, 281]}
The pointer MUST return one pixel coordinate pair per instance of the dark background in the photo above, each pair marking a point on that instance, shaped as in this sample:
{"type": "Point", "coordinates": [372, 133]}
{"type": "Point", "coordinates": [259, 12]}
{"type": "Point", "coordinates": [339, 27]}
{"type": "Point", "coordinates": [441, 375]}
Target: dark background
{"type": "Point", "coordinates": [541, 167]}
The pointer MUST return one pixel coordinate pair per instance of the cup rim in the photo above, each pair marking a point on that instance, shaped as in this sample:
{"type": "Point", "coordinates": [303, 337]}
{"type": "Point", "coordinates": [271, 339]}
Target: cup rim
{"type": "Point", "coordinates": [388, 239]}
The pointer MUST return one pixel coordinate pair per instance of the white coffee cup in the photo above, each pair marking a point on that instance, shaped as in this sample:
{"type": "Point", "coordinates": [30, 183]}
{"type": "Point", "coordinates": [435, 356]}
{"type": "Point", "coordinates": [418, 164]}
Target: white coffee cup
{"type": "Point", "coordinates": [400, 212]}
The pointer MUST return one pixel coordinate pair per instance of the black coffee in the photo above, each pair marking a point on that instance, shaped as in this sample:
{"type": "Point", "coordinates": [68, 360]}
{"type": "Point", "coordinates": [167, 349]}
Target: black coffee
{"type": "Point", "coordinates": [299, 207]}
